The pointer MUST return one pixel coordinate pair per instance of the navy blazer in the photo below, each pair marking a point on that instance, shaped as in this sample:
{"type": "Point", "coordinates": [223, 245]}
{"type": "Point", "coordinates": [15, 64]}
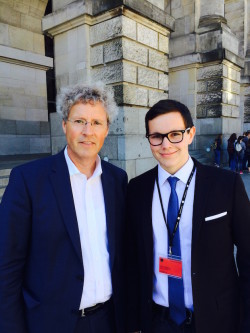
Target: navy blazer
{"type": "Point", "coordinates": [41, 267]}
{"type": "Point", "coordinates": [218, 290]}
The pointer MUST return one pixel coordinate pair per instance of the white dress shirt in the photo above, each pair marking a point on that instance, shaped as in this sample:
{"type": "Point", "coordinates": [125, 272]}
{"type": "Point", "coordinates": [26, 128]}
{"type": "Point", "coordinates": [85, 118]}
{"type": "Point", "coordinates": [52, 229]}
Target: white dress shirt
{"type": "Point", "coordinates": [160, 232]}
{"type": "Point", "coordinates": [91, 218]}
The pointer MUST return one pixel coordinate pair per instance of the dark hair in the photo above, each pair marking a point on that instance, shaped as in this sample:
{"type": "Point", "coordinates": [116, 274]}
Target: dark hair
{"type": "Point", "coordinates": [233, 138]}
{"type": "Point", "coordinates": [166, 106]}
{"type": "Point", "coordinates": [240, 138]}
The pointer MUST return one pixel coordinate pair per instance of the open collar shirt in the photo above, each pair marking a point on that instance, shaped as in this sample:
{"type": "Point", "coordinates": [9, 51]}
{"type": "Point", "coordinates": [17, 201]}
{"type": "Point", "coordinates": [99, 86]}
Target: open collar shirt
{"type": "Point", "coordinates": [91, 218]}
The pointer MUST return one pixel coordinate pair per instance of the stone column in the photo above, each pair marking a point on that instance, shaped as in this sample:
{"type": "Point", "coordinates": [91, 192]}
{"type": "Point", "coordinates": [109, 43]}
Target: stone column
{"type": "Point", "coordinates": [24, 127]}
{"type": "Point", "coordinates": [127, 48]}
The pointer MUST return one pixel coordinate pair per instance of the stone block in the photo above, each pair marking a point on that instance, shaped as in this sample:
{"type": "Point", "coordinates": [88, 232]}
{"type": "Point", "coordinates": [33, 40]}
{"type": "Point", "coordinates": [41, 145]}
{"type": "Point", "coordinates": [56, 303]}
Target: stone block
{"type": "Point", "coordinates": [4, 34]}
{"type": "Point", "coordinates": [38, 44]}
{"type": "Point", "coordinates": [35, 12]}
{"type": "Point", "coordinates": [128, 27]}
{"type": "Point", "coordinates": [132, 95]}
{"type": "Point", "coordinates": [158, 60]}
{"type": "Point", "coordinates": [163, 43]}
{"type": "Point", "coordinates": [210, 72]}
{"type": "Point", "coordinates": [9, 15]}
{"type": "Point", "coordinates": [36, 114]}
{"type": "Point", "coordinates": [40, 145]}
{"type": "Point", "coordinates": [7, 126]}
{"type": "Point", "coordinates": [28, 128]}
{"type": "Point", "coordinates": [96, 55]}
{"type": "Point", "coordinates": [214, 85]}
{"type": "Point", "coordinates": [135, 52]}
{"type": "Point", "coordinates": [208, 111]}
{"type": "Point", "coordinates": [130, 120]}
{"type": "Point", "coordinates": [182, 45]}
{"type": "Point", "coordinates": [31, 23]}
{"type": "Point", "coordinates": [109, 73]}
{"type": "Point", "coordinates": [232, 74]}
{"type": "Point", "coordinates": [44, 128]}
{"type": "Point", "coordinates": [133, 147]}
{"type": "Point", "coordinates": [112, 50]}
{"type": "Point", "coordinates": [110, 147]}
{"type": "Point", "coordinates": [57, 144]}
{"type": "Point", "coordinates": [147, 77]}
{"type": "Point", "coordinates": [155, 96]}
{"type": "Point", "coordinates": [209, 126]}
{"type": "Point", "coordinates": [144, 164]}
{"type": "Point", "coordinates": [21, 7]}
{"type": "Point", "coordinates": [56, 124]}
{"type": "Point", "coordinates": [163, 81]}
{"type": "Point", "coordinates": [13, 145]}
{"type": "Point", "coordinates": [106, 30]}
{"type": "Point", "coordinates": [209, 98]}
{"type": "Point", "coordinates": [13, 113]}
{"type": "Point", "coordinates": [21, 39]}
{"type": "Point", "coordinates": [147, 36]}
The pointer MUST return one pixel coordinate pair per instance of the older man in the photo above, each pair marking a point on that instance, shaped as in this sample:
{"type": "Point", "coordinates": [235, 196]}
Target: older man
{"type": "Point", "coordinates": [61, 230]}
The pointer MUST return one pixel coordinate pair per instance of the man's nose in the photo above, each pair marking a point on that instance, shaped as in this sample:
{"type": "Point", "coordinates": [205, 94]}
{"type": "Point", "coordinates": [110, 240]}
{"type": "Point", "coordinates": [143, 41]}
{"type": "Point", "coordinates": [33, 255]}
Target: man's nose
{"type": "Point", "coordinates": [165, 143]}
{"type": "Point", "coordinates": [87, 128]}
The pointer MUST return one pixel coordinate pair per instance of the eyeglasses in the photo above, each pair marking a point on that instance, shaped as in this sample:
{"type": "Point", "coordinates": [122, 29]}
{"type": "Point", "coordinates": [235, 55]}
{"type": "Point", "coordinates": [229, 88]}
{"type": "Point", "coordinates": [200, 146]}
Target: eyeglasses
{"type": "Point", "coordinates": [82, 123]}
{"type": "Point", "coordinates": [156, 139]}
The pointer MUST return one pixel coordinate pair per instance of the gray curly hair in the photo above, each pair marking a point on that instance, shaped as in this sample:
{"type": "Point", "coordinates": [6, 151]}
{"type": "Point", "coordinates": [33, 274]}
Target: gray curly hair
{"type": "Point", "coordinates": [84, 93]}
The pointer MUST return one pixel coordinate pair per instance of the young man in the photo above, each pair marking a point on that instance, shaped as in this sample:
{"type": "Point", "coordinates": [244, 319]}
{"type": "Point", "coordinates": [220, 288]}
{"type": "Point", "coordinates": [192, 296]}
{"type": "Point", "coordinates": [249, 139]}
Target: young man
{"type": "Point", "coordinates": [184, 219]}
{"type": "Point", "coordinates": [62, 227]}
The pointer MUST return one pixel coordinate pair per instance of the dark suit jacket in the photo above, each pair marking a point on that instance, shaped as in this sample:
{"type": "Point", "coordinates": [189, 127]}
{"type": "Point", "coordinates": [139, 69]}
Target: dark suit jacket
{"type": "Point", "coordinates": [41, 268]}
{"type": "Point", "coordinates": [218, 290]}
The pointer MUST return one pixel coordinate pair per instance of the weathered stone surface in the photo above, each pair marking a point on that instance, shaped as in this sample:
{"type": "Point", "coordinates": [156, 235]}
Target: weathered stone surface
{"type": "Point", "coordinates": [113, 50]}
{"type": "Point", "coordinates": [163, 43]}
{"type": "Point", "coordinates": [115, 72]}
{"type": "Point", "coordinates": [96, 55]}
{"type": "Point", "coordinates": [210, 72]}
{"type": "Point", "coordinates": [215, 97]}
{"type": "Point", "coordinates": [126, 94]}
{"type": "Point", "coordinates": [209, 111]}
{"type": "Point", "coordinates": [158, 60]}
{"type": "Point", "coordinates": [110, 147]}
{"type": "Point", "coordinates": [163, 81]}
{"type": "Point", "coordinates": [155, 96]}
{"type": "Point", "coordinates": [231, 86]}
{"type": "Point", "coordinates": [147, 36]}
{"type": "Point", "coordinates": [147, 77]}
{"type": "Point", "coordinates": [106, 30]}
{"type": "Point", "coordinates": [135, 52]}
{"type": "Point", "coordinates": [144, 164]}
{"type": "Point", "coordinates": [133, 147]}
{"type": "Point", "coordinates": [182, 45]}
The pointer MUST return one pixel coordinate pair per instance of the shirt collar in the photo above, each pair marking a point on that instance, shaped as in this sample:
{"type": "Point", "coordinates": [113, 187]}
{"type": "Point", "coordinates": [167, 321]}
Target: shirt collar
{"type": "Point", "coordinates": [73, 170]}
{"type": "Point", "coordinates": [183, 173]}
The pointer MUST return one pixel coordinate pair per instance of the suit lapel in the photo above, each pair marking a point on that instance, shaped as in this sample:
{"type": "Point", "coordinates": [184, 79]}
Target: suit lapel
{"type": "Point", "coordinates": [202, 189]}
{"type": "Point", "coordinates": [146, 211]}
{"type": "Point", "coordinates": [60, 181]}
{"type": "Point", "coordinates": [108, 186]}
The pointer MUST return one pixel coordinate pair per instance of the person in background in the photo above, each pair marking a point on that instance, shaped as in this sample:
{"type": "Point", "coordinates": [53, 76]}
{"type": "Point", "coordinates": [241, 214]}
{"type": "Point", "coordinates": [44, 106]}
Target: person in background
{"type": "Point", "coordinates": [217, 150]}
{"type": "Point", "coordinates": [62, 229]}
{"type": "Point", "coordinates": [183, 220]}
{"type": "Point", "coordinates": [247, 153]}
{"type": "Point", "coordinates": [231, 151]}
{"type": "Point", "coordinates": [246, 138]}
{"type": "Point", "coordinates": [240, 148]}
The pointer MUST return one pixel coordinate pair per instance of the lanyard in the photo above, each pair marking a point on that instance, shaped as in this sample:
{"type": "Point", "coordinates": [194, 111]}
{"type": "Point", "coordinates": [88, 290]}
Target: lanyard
{"type": "Point", "coordinates": [171, 237]}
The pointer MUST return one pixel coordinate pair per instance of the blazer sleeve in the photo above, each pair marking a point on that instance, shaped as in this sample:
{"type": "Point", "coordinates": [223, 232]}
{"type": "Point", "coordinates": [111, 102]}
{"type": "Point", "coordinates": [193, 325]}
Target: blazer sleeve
{"type": "Point", "coordinates": [241, 230]}
{"type": "Point", "coordinates": [15, 225]}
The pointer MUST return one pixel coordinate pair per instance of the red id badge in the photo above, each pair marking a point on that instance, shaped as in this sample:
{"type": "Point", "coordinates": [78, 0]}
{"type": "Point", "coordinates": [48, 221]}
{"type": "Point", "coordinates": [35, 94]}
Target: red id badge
{"type": "Point", "coordinates": [171, 267]}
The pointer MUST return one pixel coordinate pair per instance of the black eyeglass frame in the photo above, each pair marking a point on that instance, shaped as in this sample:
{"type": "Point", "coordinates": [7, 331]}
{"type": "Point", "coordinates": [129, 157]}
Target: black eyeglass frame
{"type": "Point", "coordinates": [166, 136]}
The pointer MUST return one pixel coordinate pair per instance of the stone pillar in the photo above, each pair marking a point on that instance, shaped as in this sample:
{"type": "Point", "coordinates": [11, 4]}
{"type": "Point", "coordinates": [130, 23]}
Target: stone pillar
{"type": "Point", "coordinates": [127, 50]}
{"type": "Point", "coordinates": [204, 69]}
{"type": "Point", "coordinates": [24, 127]}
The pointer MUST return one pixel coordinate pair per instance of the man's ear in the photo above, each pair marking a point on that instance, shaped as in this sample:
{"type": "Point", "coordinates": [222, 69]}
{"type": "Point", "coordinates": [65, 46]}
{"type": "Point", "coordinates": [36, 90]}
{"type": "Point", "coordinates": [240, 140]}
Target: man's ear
{"type": "Point", "coordinates": [191, 134]}
{"type": "Point", "coordinates": [64, 126]}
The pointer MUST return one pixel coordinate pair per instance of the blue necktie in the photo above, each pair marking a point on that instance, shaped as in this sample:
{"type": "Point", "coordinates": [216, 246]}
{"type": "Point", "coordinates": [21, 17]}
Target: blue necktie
{"type": "Point", "coordinates": [177, 309]}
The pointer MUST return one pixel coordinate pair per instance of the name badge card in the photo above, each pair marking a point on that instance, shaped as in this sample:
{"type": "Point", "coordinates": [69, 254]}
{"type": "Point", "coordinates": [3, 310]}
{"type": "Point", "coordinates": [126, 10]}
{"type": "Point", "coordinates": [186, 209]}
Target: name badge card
{"type": "Point", "coordinates": [171, 266]}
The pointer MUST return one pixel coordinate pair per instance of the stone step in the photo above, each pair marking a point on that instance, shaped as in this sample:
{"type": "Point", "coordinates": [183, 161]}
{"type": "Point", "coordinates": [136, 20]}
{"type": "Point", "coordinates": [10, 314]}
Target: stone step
{"type": "Point", "coordinates": [4, 173]}
{"type": "Point", "coordinates": [4, 181]}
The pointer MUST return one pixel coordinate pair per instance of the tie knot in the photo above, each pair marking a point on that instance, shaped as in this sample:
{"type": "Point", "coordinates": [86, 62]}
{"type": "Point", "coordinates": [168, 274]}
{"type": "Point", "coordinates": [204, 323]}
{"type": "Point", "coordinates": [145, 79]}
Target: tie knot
{"type": "Point", "coordinates": [172, 182]}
